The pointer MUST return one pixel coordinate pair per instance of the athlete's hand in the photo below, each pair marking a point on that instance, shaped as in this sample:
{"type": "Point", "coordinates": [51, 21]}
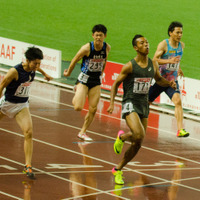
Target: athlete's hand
{"type": "Point", "coordinates": [173, 84]}
{"type": "Point", "coordinates": [180, 73]}
{"type": "Point", "coordinates": [66, 73]}
{"type": "Point", "coordinates": [110, 108]}
{"type": "Point", "coordinates": [175, 60]}
{"type": "Point", "coordinates": [48, 78]}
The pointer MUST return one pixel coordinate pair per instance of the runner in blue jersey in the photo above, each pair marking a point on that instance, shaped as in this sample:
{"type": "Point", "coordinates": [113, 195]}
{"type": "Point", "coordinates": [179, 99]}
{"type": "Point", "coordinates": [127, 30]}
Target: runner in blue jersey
{"type": "Point", "coordinates": [14, 102]}
{"type": "Point", "coordinates": [94, 57]}
{"type": "Point", "coordinates": [136, 76]}
{"type": "Point", "coordinates": [168, 55]}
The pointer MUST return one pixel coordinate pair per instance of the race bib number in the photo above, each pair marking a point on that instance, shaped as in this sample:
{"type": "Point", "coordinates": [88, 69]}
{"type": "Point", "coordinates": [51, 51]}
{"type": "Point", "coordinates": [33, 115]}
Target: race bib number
{"type": "Point", "coordinates": [96, 65]}
{"type": "Point", "coordinates": [141, 85]}
{"type": "Point", "coordinates": [23, 90]}
{"type": "Point", "coordinates": [172, 67]}
{"type": "Point", "coordinates": [83, 77]}
{"type": "Point", "coordinates": [127, 108]}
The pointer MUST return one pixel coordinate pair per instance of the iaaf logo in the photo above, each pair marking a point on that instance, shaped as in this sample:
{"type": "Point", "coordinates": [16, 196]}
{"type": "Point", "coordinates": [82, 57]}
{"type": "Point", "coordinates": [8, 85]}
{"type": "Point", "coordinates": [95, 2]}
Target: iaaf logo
{"type": "Point", "coordinates": [7, 51]}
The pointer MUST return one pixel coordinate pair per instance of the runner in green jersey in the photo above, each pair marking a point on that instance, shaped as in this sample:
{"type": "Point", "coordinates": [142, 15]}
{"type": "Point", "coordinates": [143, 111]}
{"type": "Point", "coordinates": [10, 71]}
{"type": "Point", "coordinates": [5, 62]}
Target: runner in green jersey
{"type": "Point", "coordinates": [136, 76]}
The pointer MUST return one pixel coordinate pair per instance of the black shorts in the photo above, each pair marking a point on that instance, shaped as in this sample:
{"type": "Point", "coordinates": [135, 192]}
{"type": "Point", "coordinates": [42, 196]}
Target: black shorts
{"type": "Point", "coordinates": [87, 80]}
{"type": "Point", "coordinates": [155, 90]}
{"type": "Point", "coordinates": [90, 85]}
{"type": "Point", "coordinates": [130, 105]}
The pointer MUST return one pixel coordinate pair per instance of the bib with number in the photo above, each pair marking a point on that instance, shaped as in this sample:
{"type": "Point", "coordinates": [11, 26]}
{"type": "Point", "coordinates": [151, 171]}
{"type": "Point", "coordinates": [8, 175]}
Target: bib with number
{"type": "Point", "coordinates": [172, 67]}
{"type": "Point", "coordinates": [23, 90]}
{"type": "Point", "coordinates": [96, 65]}
{"type": "Point", "coordinates": [83, 77]}
{"type": "Point", "coordinates": [141, 85]}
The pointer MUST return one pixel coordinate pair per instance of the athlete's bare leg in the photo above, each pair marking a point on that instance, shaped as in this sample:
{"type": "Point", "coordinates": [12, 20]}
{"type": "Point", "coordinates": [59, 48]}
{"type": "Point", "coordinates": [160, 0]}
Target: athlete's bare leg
{"type": "Point", "coordinates": [24, 120]}
{"type": "Point", "coordinates": [93, 98]}
{"type": "Point", "coordinates": [80, 96]}
{"type": "Point", "coordinates": [136, 136]}
{"type": "Point", "coordinates": [176, 99]}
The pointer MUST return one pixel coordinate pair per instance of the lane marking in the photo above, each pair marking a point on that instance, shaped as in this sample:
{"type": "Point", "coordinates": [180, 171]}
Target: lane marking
{"type": "Point", "coordinates": [102, 171]}
{"type": "Point", "coordinates": [61, 178]}
{"type": "Point", "coordinates": [109, 116]}
{"type": "Point", "coordinates": [94, 158]}
{"type": "Point", "coordinates": [106, 136]}
{"type": "Point", "coordinates": [9, 195]}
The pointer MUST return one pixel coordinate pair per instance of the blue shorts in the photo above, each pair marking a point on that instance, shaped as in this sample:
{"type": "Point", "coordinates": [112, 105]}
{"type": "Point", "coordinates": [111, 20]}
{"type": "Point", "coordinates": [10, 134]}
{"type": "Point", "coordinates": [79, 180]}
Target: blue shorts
{"type": "Point", "coordinates": [155, 90]}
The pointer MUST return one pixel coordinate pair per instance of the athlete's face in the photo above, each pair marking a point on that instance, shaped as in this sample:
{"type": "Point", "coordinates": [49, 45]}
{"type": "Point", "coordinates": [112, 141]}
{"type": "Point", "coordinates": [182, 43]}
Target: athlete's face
{"type": "Point", "coordinates": [98, 37]}
{"type": "Point", "coordinates": [176, 35]}
{"type": "Point", "coordinates": [142, 46]}
{"type": "Point", "coordinates": [34, 64]}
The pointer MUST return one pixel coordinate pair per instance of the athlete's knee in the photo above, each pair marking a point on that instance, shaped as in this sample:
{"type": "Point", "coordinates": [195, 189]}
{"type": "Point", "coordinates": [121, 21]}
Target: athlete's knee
{"type": "Point", "coordinates": [138, 136]}
{"type": "Point", "coordinates": [177, 100]}
{"type": "Point", "coordinates": [78, 108]}
{"type": "Point", "coordinates": [28, 134]}
{"type": "Point", "coordinates": [92, 110]}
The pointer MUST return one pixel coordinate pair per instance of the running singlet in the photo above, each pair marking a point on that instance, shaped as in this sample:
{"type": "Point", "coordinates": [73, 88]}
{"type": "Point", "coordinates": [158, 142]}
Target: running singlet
{"type": "Point", "coordinates": [170, 71]}
{"type": "Point", "coordinates": [136, 85]}
{"type": "Point", "coordinates": [92, 66]}
{"type": "Point", "coordinates": [18, 91]}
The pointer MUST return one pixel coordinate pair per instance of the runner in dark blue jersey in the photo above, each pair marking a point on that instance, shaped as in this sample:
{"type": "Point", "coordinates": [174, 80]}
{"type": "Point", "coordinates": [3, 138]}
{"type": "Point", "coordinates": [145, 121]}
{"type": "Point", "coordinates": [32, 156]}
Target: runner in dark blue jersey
{"type": "Point", "coordinates": [14, 102]}
{"type": "Point", "coordinates": [94, 57]}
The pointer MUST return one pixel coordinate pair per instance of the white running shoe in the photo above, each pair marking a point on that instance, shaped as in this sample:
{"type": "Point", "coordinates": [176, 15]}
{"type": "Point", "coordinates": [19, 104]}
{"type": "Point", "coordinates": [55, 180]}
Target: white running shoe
{"type": "Point", "coordinates": [84, 137]}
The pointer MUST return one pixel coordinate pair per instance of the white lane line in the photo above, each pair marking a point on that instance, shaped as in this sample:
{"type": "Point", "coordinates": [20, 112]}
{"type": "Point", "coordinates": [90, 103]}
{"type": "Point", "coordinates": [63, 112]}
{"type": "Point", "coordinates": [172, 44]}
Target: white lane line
{"type": "Point", "coordinates": [9, 195]}
{"type": "Point", "coordinates": [61, 178]}
{"type": "Point", "coordinates": [106, 136]}
{"type": "Point", "coordinates": [94, 158]}
{"type": "Point", "coordinates": [102, 171]}
{"type": "Point", "coordinates": [110, 116]}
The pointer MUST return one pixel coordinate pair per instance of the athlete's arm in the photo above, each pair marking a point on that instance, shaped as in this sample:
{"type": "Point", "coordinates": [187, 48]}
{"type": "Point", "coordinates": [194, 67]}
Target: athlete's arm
{"type": "Point", "coordinates": [46, 76]}
{"type": "Point", "coordinates": [161, 50]}
{"type": "Point", "coordinates": [84, 51]}
{"type": "Point", "coordinates": [107, 51]}
{"type": "Point", "coordinates": [159, 79]}
{"type": "Point", "coordinates": [126, 69]}
{"type": "Point", "coordinates": [180, 72]}
{"type": "Point", "coordinates": [11, 75]}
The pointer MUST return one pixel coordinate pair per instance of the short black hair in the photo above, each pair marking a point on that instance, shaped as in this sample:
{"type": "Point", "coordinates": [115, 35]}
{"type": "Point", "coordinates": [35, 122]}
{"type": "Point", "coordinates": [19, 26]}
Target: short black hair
{"type": "Point", "coordinates": [33, 53]}
{"type": "Point", "coordinates": [173, 25]}
{"type": "Point", "coordinates": [134, 43]}
{"type": "Point", "coordinates": [99, 28]}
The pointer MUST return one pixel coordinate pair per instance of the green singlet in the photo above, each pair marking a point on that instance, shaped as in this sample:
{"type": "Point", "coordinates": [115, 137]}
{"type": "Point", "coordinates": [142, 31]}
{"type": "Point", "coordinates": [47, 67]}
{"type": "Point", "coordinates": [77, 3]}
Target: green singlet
{"type": "Point", "coordinates": [136, 88]}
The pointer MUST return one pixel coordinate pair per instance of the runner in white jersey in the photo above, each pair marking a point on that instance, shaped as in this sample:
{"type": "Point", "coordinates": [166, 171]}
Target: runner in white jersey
{"type": "Point", "coordinates": [168, 55]}
{"type": "Point", "coordinates": [94, 57]}
{"type": "Point", "coordinates": [14, 102]}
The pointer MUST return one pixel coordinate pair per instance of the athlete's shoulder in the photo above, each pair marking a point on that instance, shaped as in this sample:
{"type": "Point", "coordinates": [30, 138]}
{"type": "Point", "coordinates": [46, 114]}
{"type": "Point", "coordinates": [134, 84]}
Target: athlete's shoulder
{"type": "Point", "coordinates": [127, 68]}
{"type": "Point", "coordinates": [108, 47]}
{"type": "Point", "coordinates": [12, 73]}
{"type": "Point", "coordinates": [182, 44]}
{"type": "Point", "coordinates": [161, 48]}
{"type": "Point", "coordinates": [84, 50]}
{"type": "Point", "coordinates": [18, 66]}
{"type": "Point", "coordinates": [163, 43]}
{"type": "Point", "coordinates": [86, 46]}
